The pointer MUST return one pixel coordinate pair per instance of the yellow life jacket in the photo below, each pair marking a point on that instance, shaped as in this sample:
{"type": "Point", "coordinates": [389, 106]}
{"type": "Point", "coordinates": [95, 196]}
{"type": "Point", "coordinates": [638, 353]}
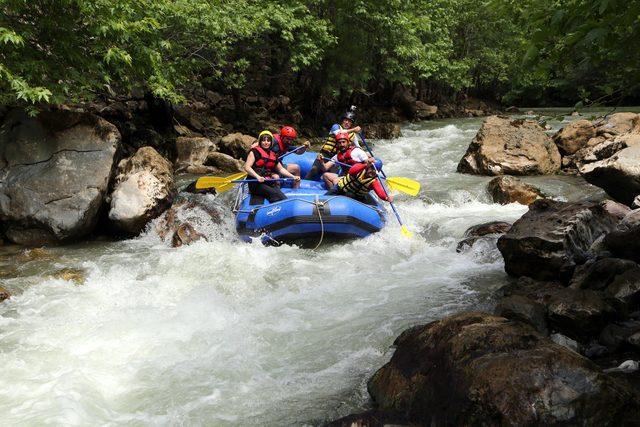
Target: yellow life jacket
{"type": "Point", "coordinates": [357, 185]}
{"type": "Point", "coordinates": [330, 147]}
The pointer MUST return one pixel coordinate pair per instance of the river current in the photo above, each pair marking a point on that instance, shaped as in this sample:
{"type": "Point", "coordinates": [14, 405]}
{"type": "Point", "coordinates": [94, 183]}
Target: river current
{"type": "Point", "coordinates": [227, 333]}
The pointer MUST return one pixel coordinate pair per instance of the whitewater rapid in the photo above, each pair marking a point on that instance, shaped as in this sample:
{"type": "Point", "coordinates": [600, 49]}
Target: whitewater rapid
{"type": "Point", "coordinates": [227, 333]}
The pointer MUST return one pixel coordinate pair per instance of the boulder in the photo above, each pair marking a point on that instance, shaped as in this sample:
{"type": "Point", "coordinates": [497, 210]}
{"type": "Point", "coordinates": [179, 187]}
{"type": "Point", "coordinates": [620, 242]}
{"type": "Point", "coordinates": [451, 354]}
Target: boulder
{"type": "Point", "coordinates": [574, 136]}
{"type": "Point", "coordinates": [618, 124]}
{"type": "Point", "coordinates": [479, 231]}
{"type": "Point", "coordinates": [197, 116]}
{"type": "Point", "coordinates": [548, 241]}
{"type": "Point", "coordinates": [511, 147]}
{"type": "Point", "coordinates": [236, 145]}
{"type": "Point", "coordinates": [508, 189]}
{"type": "Point", "coordinates": [189, 219]}
{"type": "Point", "coordinates": [4, 294]}
{"type": "Point", "coordinates": [598, 274]}
{"type": "Point", "coordinates": [192, 153]}
{"type": "Point", "coordinates": [143, 189]}
{"type": "Point", "coordinates": [221, 162]}
{"type": "Point", "coordinates": [524, 309]}
{"type": "Point", "coordinates": [577, 313]}
{"type": "Point", "coordinates": [626, 288]}
{"type": "Point", "coordinates": [424, 111]}
{"type": "Point", "coordinates": [619, 175]}
{"type": "Point", "coordinates": [624, 241]}
{"type": "Point", "coordinates": [54, 173]}
{"type": "Point", "coordinates": [479, 369]}
{"type": "Point", "coordinates": [615, 335]}
{"type": "Point", "coordinates": [383, 130]}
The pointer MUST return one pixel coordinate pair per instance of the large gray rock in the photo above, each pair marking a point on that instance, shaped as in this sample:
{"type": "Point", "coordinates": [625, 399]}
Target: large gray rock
{"type": "Point", "coordinates": [192, 153]}
{"type": "Point", "coordinates": [548, 241]}
{"type": "Point", "coordinates": [143, 189]}
{"type": "Point", "coordinates": [618, 124]}
{"type": "Point", "coordinates": [479, 369]}
{"type": "Point", "coordinates": [510, 147]}
{"type": "Point", "coordinates": [619, 175]}
{"type": "Point", "coordinates": [54, 172]}
{"type": "Point", "coordinates": [236, 145]}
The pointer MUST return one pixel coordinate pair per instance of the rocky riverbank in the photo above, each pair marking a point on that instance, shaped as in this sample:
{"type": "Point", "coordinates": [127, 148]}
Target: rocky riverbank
{"type": "Point", "coordinates": [563, 344]}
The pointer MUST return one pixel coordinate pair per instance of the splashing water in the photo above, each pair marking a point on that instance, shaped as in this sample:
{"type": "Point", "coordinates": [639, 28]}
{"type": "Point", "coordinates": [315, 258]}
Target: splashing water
{"type": "Point", "coordinates": [227, 333]}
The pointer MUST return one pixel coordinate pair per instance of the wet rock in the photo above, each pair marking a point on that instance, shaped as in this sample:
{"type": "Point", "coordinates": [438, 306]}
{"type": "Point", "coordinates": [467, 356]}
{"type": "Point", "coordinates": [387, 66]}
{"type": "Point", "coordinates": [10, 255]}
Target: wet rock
{"type": "Point", "coordinates": [513, 147]}
{"type": "Point", "coordinates": [624, 241]}
{"type": "Point", "coordinates": [512, 109]}
{"type": "Point", "coordinates": [574, 136]}
{"type": "Point", "coordinates": [371, 418]}
{"type": "Point", "coordinates": [521, 308]}
{"type": "Point", "coordinates": [478, 369]}
{"type": "Point", "coordinates": [383, 130]}
{"type": "Point", "coordinates": [548, 241]}
{"type": "Point", "coordinates": [143, 189]}
{"type": "Point", "coordinates": [76, 275]}
{"type": "Point", "coordinates": [618, 175]}
{"type": "Point", "coordinates": [4, 294]}
{"type": "Point", "coordinates": [508, 189]}
{"type": "Point", "coordinates": [626, 288]}
{"type": "Point", "coordinates": [188, 220]}
{"type": "Point", "coordinates": [565, 341]}
{"type": "Point", "coordinates": [54, 173]}
{"type": "Point", "coordinates": [616, 335]}
{"type": "Point", "coordinates": [474, 233]}
{"type": "Point", "coordinates": [579, 313]}
{"type": "Point", "coordinates": [600, 273]}
{"type": "Point", "coordinates": [616, 209]}
{"type": "Point", "coordinates": [236, 145]}
{"type": "Point", "coordinates": [185, 234]}
{"type": "Point", "coordinates": [37, 254]}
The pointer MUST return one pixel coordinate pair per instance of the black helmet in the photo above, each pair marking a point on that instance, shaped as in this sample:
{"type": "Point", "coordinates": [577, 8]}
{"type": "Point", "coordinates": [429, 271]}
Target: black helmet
{"type": "Point", "coordinates": [350, 114]}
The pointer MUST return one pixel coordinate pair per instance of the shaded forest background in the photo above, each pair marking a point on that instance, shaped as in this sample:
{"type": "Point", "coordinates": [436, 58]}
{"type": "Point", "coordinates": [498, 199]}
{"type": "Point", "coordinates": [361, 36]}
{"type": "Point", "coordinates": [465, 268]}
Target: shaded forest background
{"type": "Point", "coordinates": [322, 53]}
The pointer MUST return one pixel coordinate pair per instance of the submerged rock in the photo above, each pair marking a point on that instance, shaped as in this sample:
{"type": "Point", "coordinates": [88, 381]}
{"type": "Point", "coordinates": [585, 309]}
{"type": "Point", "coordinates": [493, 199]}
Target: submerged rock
{"type": "Point", "coordinates": [510, 147]}
{"type": "Point", "coordinates": [54, 172]}
{"type": "Point", "coordinates": [477, 232]}
{"type": "Point", "coordinates": [4, 294]}
{"type": "Point", "coordinates": [76, 275]}
{"type": "Point", "coordinates": [479, 369]}
{"type": "Point", "coordinates": [144, 188]}
{"type": "Point", "coordinates": [188, 220]}
{"type": "Point", "coordinates": [548, 241]}
{"type": "Point", "coordinates": [508, 189]}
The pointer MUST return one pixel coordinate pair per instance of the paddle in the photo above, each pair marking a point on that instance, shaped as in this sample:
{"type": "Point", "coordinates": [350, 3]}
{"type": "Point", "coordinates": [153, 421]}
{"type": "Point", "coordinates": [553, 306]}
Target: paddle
{"type": "Point", "coordinates": [403, 228]}
{"type": "Point", "coordinates": [225, 185]}
{"type": "Point", "coordinates": [210, 181]}
{"type": "Point", "coordinates": [400, 183]}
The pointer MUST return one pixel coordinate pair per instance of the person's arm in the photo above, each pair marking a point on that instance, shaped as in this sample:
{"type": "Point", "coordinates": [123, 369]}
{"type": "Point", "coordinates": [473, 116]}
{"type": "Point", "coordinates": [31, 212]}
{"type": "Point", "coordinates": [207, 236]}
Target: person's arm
{"type": "Point", "coordinates": [248, 167]}
{"type": "Point", "coordinates": [283, 171]}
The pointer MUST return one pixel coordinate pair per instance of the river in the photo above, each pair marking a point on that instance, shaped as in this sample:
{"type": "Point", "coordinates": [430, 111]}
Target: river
{"type": "Point", "coordinates": [227, 333]}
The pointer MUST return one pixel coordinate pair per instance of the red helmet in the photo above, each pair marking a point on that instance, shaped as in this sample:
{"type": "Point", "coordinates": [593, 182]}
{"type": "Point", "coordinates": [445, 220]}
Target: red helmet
{"type": "Point", "coordinates": [288, 131]}
{"type": "Point", "coordinates": [342, 135]}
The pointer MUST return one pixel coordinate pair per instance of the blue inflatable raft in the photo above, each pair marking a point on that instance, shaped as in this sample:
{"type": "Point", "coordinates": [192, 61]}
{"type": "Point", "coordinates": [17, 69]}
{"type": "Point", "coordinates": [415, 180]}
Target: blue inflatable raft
{"type": "Point", "coordinates": [307, 213]}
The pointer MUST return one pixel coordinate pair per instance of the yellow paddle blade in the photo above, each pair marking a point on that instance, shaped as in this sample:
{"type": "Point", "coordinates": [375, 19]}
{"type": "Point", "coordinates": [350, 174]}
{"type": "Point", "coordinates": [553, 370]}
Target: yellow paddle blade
{"type": "Point", "coordinates": [221, 188]}
{"type": "Point", "coordinates": [212, 181]}
{"type": "Point", "coordinates": [405, 185]}
{"type": "Point", "coordinates": [406, 232]}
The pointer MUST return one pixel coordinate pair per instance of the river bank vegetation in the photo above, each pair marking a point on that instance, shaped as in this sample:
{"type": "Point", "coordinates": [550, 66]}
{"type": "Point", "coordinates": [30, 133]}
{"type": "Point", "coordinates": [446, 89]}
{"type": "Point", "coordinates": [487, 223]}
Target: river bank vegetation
{"type": "Point", "coordinates": [321, 52]}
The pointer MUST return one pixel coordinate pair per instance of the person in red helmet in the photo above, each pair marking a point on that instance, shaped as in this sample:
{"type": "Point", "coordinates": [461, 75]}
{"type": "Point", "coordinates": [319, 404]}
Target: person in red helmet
{"type": "Point", "coordinates": [347, 155]}
{"type": "Point", "coordinates": [284, 142]}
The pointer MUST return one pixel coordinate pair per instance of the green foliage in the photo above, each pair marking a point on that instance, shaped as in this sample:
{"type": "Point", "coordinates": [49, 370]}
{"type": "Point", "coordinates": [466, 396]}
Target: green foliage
{"type": "Point", "coordinates": [70, 50]}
